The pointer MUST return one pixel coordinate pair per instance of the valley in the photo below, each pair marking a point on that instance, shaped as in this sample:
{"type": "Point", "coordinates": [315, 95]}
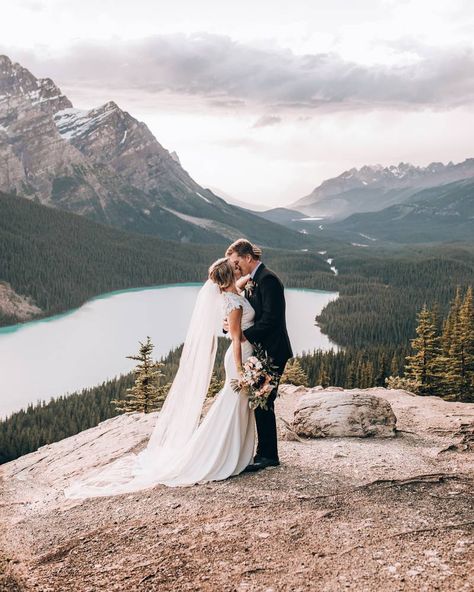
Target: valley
{"type": "Point", "coordinates": [97, 205]}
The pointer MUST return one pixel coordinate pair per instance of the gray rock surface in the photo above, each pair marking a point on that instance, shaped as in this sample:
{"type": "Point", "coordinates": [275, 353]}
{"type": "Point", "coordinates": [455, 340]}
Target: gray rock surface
{"type": "Point", "coordinates": [102, 163]}
{"type": "Point", "coordinates": [343, 413]}
{"type": "Point", "coordinates": [16, 305]}
{"type": "Point", "coordinates": [364, 514]}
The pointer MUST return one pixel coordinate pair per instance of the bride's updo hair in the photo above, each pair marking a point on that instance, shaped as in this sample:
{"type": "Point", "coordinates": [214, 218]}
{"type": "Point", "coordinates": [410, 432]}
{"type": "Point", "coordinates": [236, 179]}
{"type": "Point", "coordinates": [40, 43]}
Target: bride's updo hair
{"type": "Point", "coordinates": [244, 247]}
{"type": "Point", "coordinates": [221, 273]}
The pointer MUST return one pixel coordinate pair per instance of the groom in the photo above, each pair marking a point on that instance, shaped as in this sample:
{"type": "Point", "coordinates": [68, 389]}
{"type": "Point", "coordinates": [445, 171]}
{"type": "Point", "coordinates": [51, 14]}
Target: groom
{"type": "Point", "coordinates": [264, 291]}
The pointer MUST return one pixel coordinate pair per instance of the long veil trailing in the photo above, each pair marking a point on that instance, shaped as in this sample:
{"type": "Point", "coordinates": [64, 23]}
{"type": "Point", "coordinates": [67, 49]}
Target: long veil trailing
{"type": "Point", "coordinates": [179, 416]}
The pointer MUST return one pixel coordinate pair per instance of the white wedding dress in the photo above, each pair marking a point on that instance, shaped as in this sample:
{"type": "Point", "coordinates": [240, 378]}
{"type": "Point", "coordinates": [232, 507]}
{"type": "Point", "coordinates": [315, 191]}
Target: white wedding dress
{"type": "Point", "coordinates": [181, 451]}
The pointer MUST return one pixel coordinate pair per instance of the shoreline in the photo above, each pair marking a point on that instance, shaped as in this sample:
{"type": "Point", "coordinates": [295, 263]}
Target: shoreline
{"type": "Point", "coordinates": [6, 329]}
{"type": "Point", "coordinates": [307, 335]}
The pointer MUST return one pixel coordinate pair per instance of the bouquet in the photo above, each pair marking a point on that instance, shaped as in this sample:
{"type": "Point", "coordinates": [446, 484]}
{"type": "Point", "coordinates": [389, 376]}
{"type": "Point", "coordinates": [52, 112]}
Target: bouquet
{"type": "Point", "coordinates": [258, 379]}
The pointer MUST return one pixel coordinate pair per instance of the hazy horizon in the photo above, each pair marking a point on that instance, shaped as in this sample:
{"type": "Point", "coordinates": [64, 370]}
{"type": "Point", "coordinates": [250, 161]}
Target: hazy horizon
{"type": "Point", "coordinates": [264, 102]}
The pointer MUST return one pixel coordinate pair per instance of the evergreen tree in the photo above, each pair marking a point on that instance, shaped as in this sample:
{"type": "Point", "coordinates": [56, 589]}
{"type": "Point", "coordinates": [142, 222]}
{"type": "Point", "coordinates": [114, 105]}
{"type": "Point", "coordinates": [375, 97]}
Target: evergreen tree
{"type": "Point", "coordinates": [351, 375]}
{"type": "Point", "coordinates": [382, 372]}
{"type": "Point", "coordinates": [323, 378]}
{"type": "Point", "coordinates": [294, 374]}
{"type": "Point", "coordinates": [450, 323]}
{"type": "Point", "coordinates": [466, 320]}
{"type": "Point", "coordinates": [459, 365]}
{"type": "Point", "coordinates": [366, 374]}
{"type": "Point", "coordinates": [215, 386]}
{"type": "Point", "coordinates": [146, 395]}
{"type": "Point", "coordinates": [423, 365]}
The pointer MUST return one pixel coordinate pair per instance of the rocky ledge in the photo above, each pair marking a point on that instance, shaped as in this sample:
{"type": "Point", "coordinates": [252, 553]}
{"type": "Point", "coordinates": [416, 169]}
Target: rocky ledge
{"type": "Point", "coordinates": [15, 305]}
{"type": "Point", "coordinates": [370, 513]}
{"type": "Point", "coordinates": [346, 413]}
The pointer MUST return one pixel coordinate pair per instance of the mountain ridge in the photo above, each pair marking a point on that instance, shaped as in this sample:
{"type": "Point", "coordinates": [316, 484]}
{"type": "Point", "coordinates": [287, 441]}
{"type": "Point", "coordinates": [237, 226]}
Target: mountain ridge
{"type": "Point", "coordinates": [105, 164]}
{"type": "Point", "coordinates": [373, 187]}
{"type": "Point", "coordinates": [434, 214]}
{"type": "Point", "coordinates": [59, 260]}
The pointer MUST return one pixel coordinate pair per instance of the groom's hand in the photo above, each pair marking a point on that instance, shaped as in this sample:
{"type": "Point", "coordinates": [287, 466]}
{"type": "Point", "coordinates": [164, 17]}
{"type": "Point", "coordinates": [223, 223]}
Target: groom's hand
{"type": "Point", "coordinates": [242, 281]}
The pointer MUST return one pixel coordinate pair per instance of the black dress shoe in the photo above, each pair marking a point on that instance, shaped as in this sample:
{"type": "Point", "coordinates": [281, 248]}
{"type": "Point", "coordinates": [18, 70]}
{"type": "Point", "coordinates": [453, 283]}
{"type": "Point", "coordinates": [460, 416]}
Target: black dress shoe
{"type": "Point", "coordinates": [268, 462]}
{"type": "Point", "coordinates": [252, 468]}
{"type": "Point", "coordinates": [262, 463]}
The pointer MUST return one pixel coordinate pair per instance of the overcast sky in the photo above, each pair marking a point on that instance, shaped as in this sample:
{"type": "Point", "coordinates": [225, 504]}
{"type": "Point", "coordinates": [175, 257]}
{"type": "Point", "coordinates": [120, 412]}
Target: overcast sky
{"type": "Point", "coordinates": [265, 99]}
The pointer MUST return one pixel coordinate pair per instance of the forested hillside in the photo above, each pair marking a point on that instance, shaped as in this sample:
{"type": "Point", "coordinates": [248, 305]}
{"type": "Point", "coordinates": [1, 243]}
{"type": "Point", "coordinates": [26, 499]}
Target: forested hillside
{"type": "Point", "coordinates": [62, 259]}
{"type": "Point", "coordinates": [381, 290]}
{"type": "Point", "coordinates": [64, 416]}
{"type": "Point", "coordinates": [442, 213]}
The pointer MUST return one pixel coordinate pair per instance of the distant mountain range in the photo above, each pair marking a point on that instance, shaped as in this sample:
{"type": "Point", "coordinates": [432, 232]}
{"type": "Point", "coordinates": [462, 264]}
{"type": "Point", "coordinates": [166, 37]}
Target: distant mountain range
{"type": "Point", "coordinates": [106, 165]}
{"type": "Point", "coordinates": [443, 213]}
{"type": "Point", "coordinates": [373, 188]}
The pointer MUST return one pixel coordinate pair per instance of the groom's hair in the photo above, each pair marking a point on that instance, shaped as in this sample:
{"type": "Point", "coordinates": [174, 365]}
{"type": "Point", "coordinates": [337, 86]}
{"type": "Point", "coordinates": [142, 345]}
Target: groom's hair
{"type": "Point", "coordinates": [244, 247]}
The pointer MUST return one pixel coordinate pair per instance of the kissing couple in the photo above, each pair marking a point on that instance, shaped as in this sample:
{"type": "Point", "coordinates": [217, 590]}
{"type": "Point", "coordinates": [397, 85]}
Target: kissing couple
{"type": "Point", "coordinates": [247, 299]}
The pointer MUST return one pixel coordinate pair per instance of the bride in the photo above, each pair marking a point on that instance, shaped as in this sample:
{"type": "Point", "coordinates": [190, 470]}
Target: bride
{"type": "Point", "coordinates": [180, 451]}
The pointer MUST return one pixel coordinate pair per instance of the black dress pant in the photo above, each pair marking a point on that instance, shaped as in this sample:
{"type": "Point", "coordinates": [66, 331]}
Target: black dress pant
{"type": "Point", "coordinates": [267, 445]}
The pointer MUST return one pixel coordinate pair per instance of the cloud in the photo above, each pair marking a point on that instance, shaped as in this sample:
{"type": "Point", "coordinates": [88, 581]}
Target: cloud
{"type": "Point", "coordinates": [33, 5]}
{"type": "Point", "coordinates": [228, 73]}
{"type": "Point", "coordinates": [267, 120]}
{"type": "Point", "coordinates": [227, 103]}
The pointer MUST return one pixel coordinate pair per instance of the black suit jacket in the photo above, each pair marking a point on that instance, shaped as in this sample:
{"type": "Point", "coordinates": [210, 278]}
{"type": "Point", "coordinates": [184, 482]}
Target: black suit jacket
{"type": "Point", "coordinates": [269, 329]}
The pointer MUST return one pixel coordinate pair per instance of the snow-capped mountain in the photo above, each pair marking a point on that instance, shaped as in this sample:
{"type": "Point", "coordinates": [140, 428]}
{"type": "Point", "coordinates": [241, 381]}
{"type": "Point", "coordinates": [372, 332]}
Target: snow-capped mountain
{"type": "Point", "coordinates": [441, 213]}
{"type": "Point", "coordinates": [105, 164]}
{"type": "Point", "coordinates": [372, 188]}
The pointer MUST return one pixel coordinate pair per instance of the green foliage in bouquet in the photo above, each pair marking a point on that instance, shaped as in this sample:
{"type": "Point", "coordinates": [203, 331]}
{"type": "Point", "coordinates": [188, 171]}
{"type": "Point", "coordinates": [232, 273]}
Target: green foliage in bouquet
{"type": "Point", "coordinates": [258, 379]}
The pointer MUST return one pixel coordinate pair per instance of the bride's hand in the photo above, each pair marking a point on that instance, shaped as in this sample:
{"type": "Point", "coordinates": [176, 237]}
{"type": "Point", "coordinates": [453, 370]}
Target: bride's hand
{"type": "Point", "coordinates": [242, 281]}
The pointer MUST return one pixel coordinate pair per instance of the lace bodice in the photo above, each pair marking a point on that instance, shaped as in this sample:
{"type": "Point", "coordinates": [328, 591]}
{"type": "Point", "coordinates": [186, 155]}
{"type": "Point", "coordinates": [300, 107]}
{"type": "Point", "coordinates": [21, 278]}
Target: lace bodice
{"type": "Point", "coordinates": [233, 301]}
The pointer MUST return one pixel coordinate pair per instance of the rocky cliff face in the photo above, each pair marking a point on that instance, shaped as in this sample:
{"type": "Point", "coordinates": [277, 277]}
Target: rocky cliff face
{"type": "Point", "coordinates": [22, 122]}
{"type": "Point", "coordinates": [36, 160]}
{"type": "Point", "coordinates": [105, 164]}
{"type": "Point", "coordinates": [113, 139]}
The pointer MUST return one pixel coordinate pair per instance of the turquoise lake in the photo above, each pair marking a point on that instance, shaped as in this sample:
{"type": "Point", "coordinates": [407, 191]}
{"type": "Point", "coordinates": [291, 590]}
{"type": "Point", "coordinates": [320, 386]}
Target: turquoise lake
{"type": "Point", "coordinates": [88, 345]}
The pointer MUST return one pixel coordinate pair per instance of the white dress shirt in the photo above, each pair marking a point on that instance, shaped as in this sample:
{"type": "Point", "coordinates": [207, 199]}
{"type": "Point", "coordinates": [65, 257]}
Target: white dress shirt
{"type": "Point", "coordinates": [252, 275]}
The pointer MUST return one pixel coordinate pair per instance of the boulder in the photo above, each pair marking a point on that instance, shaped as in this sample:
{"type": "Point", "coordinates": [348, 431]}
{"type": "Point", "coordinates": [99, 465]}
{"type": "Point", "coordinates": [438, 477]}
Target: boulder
{"type": "Point", "coordinates": [343, 414]}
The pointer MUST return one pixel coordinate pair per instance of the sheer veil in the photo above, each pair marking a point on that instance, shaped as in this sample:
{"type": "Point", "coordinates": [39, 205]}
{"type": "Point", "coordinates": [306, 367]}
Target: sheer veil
{"type": "Point", "coordinates": [179, 416]}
